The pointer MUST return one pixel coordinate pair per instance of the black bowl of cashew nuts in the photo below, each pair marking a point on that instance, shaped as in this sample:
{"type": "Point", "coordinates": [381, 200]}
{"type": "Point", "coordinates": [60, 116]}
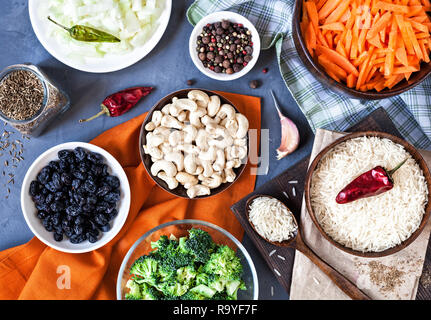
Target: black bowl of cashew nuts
{"type": "Point", "coordinates": [194, 143]}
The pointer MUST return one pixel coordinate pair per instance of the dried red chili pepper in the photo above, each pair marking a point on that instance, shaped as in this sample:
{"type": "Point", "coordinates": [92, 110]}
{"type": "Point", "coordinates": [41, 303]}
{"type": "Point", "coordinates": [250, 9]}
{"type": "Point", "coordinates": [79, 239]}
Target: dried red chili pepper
{"type": "Point", "coordinates": [368, 184]}
{"type": "Point", "coordinates": [120, 102]}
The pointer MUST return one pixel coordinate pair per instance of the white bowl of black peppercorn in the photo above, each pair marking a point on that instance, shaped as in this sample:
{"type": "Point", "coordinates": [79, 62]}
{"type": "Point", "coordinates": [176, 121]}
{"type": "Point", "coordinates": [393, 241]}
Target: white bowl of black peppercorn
{"type": "Point", "coordinates": [31, 212]}
{"type": "Point", "coordinates": [224, 45]}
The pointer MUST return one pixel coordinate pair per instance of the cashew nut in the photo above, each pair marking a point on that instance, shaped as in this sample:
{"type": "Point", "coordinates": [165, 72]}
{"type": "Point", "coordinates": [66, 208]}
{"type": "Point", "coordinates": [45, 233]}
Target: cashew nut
{"type": "Point", "coordinates": [170, 181]}
{"type": "Point", "coordinates": [163, 165]}
{"type": "Point", "coordinates": [200, 97]}
{"type": "Point", "coordinates": [229, 175]}
{"type": "Point", "coordinates": [242, 126]}
{"type": "Point", "coordinates": [154, 140]}
{"type": "Point", "coordinates": [209, 155]}
{"type": "Point", "coordinates": [220, 161]}
{"type": "Point", "coordinates": [182, 104]}
{"type": "Point", "coordinates": [195, 117]}
{"type": "Point", "coordinates": [212, 182]}
{"type": "Point", "coordinates": [213, 105]}
{"type": "Point", "coordinates": [171, 122]}
{"type": "Point", "coordinates": [202, 139]}
{"type": "Point", "coordinates": [154, 152]}
{"type": "Point", "coordinates": [226, 110]}
{"type": "Point", "coordinates": [186, 179]}
{"type": "Point", "coordinates": [198, 190]}
{"type": "Point", "coordinates": [176, 157]}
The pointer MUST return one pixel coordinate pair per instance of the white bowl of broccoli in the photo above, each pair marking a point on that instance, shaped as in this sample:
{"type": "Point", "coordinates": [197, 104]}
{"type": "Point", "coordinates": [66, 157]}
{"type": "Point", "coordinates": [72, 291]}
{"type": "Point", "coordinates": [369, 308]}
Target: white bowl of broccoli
{"type": "Point", "coordinates": [187, 260]}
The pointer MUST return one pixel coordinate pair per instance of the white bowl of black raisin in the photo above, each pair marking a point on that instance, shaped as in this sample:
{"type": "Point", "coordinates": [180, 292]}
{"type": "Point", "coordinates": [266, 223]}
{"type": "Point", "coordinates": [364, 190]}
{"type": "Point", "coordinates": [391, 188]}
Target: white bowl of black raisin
{"type": "Point", "coordinates": [75, 197]}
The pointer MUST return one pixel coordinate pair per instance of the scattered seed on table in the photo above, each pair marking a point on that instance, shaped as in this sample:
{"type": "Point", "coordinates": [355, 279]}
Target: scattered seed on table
{"type": "Point", "coordinates": [278, 273]}
{"type": "Point", "coordinates": [293, 181]}
{"type": "Point", "coordinates": [281, 257]}
{"type": "Point", "coordinates": [272, 291]}
{"type": "Point", "coordinates": [285, 194]}
{"type": "Point", "coordinates": [272, 252]}
{"type": "Point", "coordinates": [294, 191]}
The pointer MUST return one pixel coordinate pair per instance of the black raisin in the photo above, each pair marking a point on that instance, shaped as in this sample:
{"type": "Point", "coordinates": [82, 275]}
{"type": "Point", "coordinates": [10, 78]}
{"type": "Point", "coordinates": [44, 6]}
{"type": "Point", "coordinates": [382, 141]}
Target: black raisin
{"type": "Point", "coordinates": [34, 188]}
{"type": "Point", "coordinates": [66, 179]}
{"type": "Point", "coordinates": [103, 190]}
{"type": "Point", "coordinates": [58, 236]}
{"type": "Point", "coordinates": [113, 181]}
{"type": "Point", "coordinates": [90, 186]}
{"type": "Point", "coordinates": [80, 153]}
{"type": "Point", "coordinates": [111, 197]}
{"type": "Point", "coordinates": [42, 214]}
{"type": "Point", "coordinates": [57, 206]}
{"type": "Point", "coordinates": [64, 154]}
{"type": "Point", "coordinates": [44, 175]}
{"type": "Point", "coordinates": [105, 228]}
{"type": "Point", "coordinates": [73, 211]}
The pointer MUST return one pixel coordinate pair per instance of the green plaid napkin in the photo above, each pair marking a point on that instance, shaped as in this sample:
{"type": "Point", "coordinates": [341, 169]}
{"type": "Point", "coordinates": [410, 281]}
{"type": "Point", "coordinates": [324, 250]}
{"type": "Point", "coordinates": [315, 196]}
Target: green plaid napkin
{"type": "Point", "coordinates": [410, 111]}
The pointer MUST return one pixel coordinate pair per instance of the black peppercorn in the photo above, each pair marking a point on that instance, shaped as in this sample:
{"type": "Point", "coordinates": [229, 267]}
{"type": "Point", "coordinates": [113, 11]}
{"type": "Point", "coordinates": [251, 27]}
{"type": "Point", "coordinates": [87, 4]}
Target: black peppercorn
{"type": "Point", "coordinates": [225, 24]}
{"type": "Point", "coordinates": [226, 64]}
{"type": "Point", "coordinates": [254, 84]}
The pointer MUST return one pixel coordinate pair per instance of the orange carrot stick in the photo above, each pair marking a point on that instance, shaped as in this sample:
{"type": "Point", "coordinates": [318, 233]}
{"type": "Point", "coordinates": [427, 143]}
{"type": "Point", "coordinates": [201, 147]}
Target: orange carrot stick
{"type": "Point", "coordinates": [338, 59]}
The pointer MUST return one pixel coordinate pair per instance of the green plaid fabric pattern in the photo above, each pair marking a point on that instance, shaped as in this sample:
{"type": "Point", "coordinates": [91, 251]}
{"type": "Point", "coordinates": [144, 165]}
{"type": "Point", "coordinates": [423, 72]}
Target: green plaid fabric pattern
{"type": "Point", "coordinates": [323, 108]}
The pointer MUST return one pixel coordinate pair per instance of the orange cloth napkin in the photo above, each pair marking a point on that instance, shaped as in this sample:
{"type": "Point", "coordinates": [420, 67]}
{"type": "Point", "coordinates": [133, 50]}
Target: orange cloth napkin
{"type": "Point", "coordinates": [31, 270]}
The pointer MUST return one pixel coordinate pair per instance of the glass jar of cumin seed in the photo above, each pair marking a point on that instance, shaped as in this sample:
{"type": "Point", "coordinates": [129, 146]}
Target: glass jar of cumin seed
{"type": "Point", "coordinates": [29, 100]}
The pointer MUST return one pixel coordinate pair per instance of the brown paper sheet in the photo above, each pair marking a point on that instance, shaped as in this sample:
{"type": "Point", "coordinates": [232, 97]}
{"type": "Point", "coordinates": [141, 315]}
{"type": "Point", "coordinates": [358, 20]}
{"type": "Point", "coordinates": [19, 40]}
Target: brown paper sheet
{"type": "Point", "coordinates": [309, 283]}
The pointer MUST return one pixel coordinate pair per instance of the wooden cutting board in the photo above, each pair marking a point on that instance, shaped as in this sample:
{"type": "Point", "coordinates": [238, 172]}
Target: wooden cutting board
{"type": "Point", "coordinates": [289, 186]}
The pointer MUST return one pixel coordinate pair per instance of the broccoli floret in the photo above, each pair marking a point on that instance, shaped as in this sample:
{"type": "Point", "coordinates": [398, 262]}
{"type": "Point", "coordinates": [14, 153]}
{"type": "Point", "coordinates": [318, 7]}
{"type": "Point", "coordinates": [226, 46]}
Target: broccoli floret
{"type": "Point", "coordinates": [201, 278]}
{"type": "Point", "coordinates": [190, 295]}
{"type": "Point", "coordinates": [232, 288]}
{"type": "Point", "coordinates": [170, 256]}
{"type": "Point", "coordinates": [186, 275]}
{"type": "Point", "coordinates": [146, 268]}
{"type": "Point", "coordinates": [225, 264]}
{"type": "Point", "coordinates": [221, 296]}
{"type": "Point", "coordinates": [199, 244]}
{"type": "Point", "coordinates": [216, 283]}
{"type": "Point", "coordinates": [172, 289]}
{"type": "Point", "coordinates": [149, 292]}
{"type": "Point", "coordinates": [134, 290]}
{"type": "Point", "coordinates": [204, 291]}
{"type": "Point", "coordinates": [160, 244]}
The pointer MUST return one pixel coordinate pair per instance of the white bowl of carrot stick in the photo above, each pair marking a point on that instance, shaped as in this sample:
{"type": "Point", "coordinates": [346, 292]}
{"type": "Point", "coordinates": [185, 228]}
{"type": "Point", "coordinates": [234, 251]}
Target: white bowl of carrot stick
{"type": "Point", "coordinates": [367, 49]}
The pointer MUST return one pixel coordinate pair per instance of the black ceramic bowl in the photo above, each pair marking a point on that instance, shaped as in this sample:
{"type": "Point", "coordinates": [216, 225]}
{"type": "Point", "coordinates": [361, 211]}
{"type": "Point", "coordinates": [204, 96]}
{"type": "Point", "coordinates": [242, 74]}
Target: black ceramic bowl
{"type": "Point", "coordinates": [180, 191]}
{"type": "Point", "coordinates": [320, 74]}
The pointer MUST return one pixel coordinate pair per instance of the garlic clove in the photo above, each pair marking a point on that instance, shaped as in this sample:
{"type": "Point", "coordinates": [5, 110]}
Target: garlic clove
{"type": "Point", "coordinates": [289, 137]}
{"type": "Point", "coordinates": [289, 134]}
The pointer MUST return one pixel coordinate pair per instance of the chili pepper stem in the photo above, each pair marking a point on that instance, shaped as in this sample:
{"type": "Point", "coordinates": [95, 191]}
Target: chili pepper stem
{"type": "Point", "coordinates": [61, 26]}
{"type": "Point", "coordinates": [104, 111]}
{"type": "Point", "coordinates": [391, 172]}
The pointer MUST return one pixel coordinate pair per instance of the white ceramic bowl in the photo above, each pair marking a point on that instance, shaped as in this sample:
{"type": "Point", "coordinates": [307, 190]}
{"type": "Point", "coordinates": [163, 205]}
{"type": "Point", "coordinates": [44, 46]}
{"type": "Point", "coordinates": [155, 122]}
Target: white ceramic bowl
{"type": "Point", "coordinates": [35, 224]}
{"type": "Point", "coordinates": [109, 62]}
{"type": "Point", "coordinates": [216, 17]}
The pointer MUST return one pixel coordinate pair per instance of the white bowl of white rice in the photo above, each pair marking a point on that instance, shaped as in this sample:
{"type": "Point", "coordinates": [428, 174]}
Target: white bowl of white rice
{"type": "Point", "coordinates": [375, 226]}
